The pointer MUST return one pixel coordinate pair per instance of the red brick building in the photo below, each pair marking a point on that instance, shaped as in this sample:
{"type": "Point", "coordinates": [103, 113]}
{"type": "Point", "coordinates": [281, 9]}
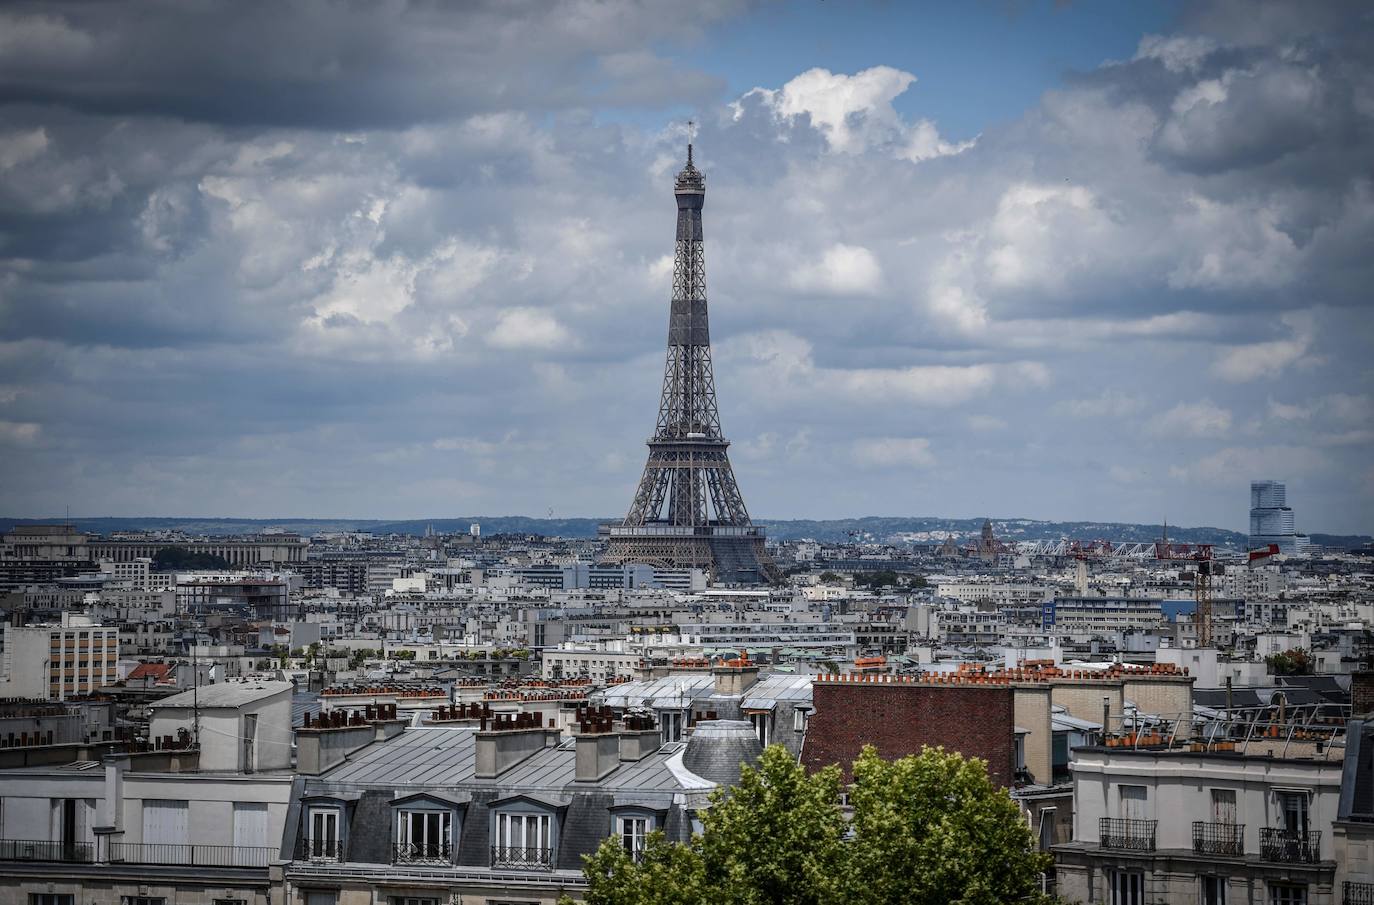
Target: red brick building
{"type": "Point", "coordinates": [899, 716]}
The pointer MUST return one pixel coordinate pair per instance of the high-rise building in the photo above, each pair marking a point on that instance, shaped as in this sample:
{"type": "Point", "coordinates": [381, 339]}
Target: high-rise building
{"type": "Point", "coordinates": [1271, 519]}
{"type": "Point", "coordinates": [688, 511]}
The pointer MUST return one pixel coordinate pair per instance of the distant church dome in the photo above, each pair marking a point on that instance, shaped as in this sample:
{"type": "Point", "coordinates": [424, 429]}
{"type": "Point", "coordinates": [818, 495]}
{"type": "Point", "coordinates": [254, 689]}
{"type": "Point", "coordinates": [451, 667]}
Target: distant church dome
{"type": "Point", "coordinates": [716, 748]}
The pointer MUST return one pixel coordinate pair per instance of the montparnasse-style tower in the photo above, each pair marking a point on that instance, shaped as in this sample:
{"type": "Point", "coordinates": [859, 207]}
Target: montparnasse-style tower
{"type": "Point", "coordinates": [688, 511]}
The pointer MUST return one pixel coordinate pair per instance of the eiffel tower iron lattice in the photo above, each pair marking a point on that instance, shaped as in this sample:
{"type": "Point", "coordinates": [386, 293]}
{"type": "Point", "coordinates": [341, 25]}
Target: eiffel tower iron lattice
{"type": "Point", "coordinates": [688, 510]}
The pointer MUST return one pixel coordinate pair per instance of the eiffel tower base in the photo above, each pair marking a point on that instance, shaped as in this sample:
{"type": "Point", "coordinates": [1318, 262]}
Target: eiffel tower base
{"type": "Point", "coordinates": [730, 559]}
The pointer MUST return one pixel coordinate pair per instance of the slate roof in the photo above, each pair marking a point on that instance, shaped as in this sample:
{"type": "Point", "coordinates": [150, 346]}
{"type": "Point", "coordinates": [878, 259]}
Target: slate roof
{"type": "Point", "coordinates": [441, 761]}
{"type": "Point", "coordinates": [436, 757]}
{"type": "Point", "coordinates": [1357, 773]}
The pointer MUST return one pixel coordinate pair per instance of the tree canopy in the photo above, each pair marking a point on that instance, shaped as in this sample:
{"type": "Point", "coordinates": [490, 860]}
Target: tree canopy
{"type": "Point", "coordinates": [929, 829]}
{"type": "Point", "coordinates": [1294, 662]}
{"type": "Point", "coordinates": [170, 559]}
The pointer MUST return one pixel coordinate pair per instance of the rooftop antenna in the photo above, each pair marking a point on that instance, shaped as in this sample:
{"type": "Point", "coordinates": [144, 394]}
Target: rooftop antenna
{"type": "Point", "coordinates": [691, 136]}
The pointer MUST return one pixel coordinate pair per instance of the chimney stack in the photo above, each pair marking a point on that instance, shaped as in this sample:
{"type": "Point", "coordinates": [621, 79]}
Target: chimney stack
{"type": "Point", "coordinates": [598, 753]}
{"type": "Point", "coordinates": [512, 739]}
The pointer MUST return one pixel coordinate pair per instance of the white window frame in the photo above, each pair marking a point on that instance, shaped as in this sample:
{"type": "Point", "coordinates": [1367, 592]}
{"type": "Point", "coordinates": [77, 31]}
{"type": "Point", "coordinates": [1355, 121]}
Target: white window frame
{"type": "Point", "coordinates": [409, 819]}
{"type": "Point", "coordinates": [1304, 798]}
{"type": "Point", "coordinates": [321, 847]}
{"type": "Point", "coordinates": [632, 830]}
{"type": "Point", "coordinates": [524, 831]}
{"type": "Point", "coordinates": [763, 726]}
{"type": "Point", "coordinates": [670, 723]}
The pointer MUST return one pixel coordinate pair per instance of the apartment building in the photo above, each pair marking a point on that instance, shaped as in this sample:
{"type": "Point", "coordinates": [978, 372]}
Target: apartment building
{"type": "Point", "coordinates": [497, 812]}
{"type": "Point", "coordinates": [1245, 817]}
{"type": "Point", "coordinates": [61, 661]}
{"type": "Point", "coordinates": [1099, 615]}
{"type": "Point", "coordinates": [112, 823]}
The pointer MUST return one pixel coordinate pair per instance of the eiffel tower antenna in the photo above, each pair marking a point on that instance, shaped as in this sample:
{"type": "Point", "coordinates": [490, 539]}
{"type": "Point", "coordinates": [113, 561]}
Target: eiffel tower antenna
{"type": "Point", "coordinates": [688, 511]}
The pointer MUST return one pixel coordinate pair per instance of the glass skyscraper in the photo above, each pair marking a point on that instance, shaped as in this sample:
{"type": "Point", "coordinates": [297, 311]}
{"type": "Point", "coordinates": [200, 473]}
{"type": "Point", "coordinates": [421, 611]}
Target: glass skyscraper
{"type": "Point", "coordinates": [1271, 519]}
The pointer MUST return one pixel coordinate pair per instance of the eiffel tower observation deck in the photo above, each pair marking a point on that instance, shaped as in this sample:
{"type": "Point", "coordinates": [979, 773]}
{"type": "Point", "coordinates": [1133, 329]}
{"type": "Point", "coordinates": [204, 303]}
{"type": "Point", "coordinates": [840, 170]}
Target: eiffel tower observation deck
{"type": "Point", "coordinates": [688, 511]}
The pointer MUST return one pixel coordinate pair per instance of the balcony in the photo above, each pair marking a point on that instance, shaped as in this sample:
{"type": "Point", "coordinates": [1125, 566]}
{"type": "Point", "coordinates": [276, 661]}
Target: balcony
{"type": "Point", "coordinates": [43, 850]}
{"type": "Point", "coordinates": [191, 855]}
{"type": "Point", "coordinates": [1290, 846]}
{"type": "Point", "coordinates": [1357, 893]}
{"type": "Point", "coordinates": [1130, 835]}
{"type": "Point", "coordinates": [320, 850]}
{"type": "Point", "coordinates": [421, 853]}
{"type": "Point", "coordinates": [522, 858]}
{"type": "Point", "coordinates": [1219, 839]}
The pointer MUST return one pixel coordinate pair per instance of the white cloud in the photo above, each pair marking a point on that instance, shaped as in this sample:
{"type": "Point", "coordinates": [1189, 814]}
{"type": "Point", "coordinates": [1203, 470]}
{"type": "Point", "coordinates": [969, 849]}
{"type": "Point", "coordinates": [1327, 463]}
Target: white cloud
{"type": "Point", "coordinates": [18, 433]}
{"type": "Point", "coordinates": [1029, 236]}
{"type": "Point", "coordinates": [1238, 464]}
{"type": "Point", "coordinates": [1203, 418]}
{"type": "Point", "coordinates": [21, 146]}
{"type": "Point", "coordinates": [1125, 474]}
{"type": "Point", "coordinates": [894, 452]}
{"type": "Point", "coordinates": [984, 423]}
{"type": "Point", "coordinates": [855, 112]}
{"type": "Point", "coordinates": [527, 328]}
{"type": "Point", "coordinates": [1109, 404]}
{"type": "Point", "coordinates": [841, 270]}
{"type": "Point", "coordinates": [1268, 359]}
{"type": "Point", "coordinates": [1178, 53]}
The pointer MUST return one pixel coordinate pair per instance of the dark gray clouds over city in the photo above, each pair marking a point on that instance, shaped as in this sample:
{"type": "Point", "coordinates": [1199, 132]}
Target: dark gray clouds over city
{"type": "Point", "coordinates": [413, 260]}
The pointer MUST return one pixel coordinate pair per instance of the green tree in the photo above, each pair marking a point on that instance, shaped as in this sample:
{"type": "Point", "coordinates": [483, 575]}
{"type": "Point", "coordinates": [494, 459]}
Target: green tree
{"type": "Point", "coordinates": [932, 829]}
{"type": "Point", "coordinates": [929, 828]}
{"type": "Point", "coordinates": [883, 579]}
{"type": "Point", "coordinates": [829, 578]}
{"type": "Point", "coordinates": [665, 874]}
{"type": "Point", "coordinates": [777, 837]}
{"type": "Point", "coordinates": [1293, 662]}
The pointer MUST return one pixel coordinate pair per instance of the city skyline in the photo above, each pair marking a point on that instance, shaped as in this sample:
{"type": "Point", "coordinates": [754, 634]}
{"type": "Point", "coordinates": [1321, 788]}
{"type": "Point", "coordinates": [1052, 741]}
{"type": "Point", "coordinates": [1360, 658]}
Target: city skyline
{"type": "Point", "coordinates": [1104, 264]}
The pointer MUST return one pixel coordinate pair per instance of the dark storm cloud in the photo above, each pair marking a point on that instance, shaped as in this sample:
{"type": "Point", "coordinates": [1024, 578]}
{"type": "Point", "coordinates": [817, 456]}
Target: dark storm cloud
{"type": "Point", "coordinates": [344, 65]}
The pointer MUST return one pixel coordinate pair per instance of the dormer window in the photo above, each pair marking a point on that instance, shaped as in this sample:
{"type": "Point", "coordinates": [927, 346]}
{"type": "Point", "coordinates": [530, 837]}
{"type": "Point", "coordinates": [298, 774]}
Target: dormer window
{"type": "Point", "coordinates": [323, 841]}
{"type": "Point", "coordinates": [632, 831]}
{"type": "Point", "coordinates": [523, 840]}
{"type": "Point", "coordinates": [426, 827]}
{"type": "Point", "coordinates": [424, 836]}
{"type": "Point", "coordinates": [631, 825]}
{"type": "Point", "coordinates": [524, 832]}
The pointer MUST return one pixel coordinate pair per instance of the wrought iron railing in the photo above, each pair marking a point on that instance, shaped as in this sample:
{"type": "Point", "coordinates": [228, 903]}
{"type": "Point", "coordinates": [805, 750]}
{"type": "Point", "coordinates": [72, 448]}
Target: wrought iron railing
{"type": "Point", "coordinates": [46, 850]}
{"type": "Point", "coordinates": [191, 855]}
{"type": "Point", "coordinates": [1218, 838]}
{"type": "Point", "coordinates": [1290, 846]}
{"type": "Point", "coordinates": [412, 852]}
{"type": "Point", "coordinates": [1124, 833]}
{"type": "Point", "coordinates": [1357, 893]}
{"type": "Point", "coordinates": [319, 850]}
{"type": "Point", "coordinates": [522, 857]}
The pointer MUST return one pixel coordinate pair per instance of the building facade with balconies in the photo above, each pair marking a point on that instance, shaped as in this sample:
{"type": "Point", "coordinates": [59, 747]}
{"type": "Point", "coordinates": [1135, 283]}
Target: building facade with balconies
{"type": "Point", "coordinates": [145, 827]}
{"type": "Point", "coordinates": [1229, 823]}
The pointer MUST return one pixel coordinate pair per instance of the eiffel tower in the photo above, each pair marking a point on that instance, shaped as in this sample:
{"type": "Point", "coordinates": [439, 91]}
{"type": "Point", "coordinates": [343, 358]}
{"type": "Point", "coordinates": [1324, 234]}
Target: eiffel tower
{"type": "Point", "coordinates": [688, 511]}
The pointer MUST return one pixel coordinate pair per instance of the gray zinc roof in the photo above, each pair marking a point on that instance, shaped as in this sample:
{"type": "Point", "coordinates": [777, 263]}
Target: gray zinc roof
{"type": "Point", "coordinates": [445, 757]}
{"type": "Point", "coordinates": [669, 691]}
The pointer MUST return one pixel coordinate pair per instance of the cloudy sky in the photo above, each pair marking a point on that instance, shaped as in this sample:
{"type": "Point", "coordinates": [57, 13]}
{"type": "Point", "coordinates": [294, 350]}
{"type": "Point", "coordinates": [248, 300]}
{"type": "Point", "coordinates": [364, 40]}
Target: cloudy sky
{"type": "Point", "coordinates": [1070, 261]}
